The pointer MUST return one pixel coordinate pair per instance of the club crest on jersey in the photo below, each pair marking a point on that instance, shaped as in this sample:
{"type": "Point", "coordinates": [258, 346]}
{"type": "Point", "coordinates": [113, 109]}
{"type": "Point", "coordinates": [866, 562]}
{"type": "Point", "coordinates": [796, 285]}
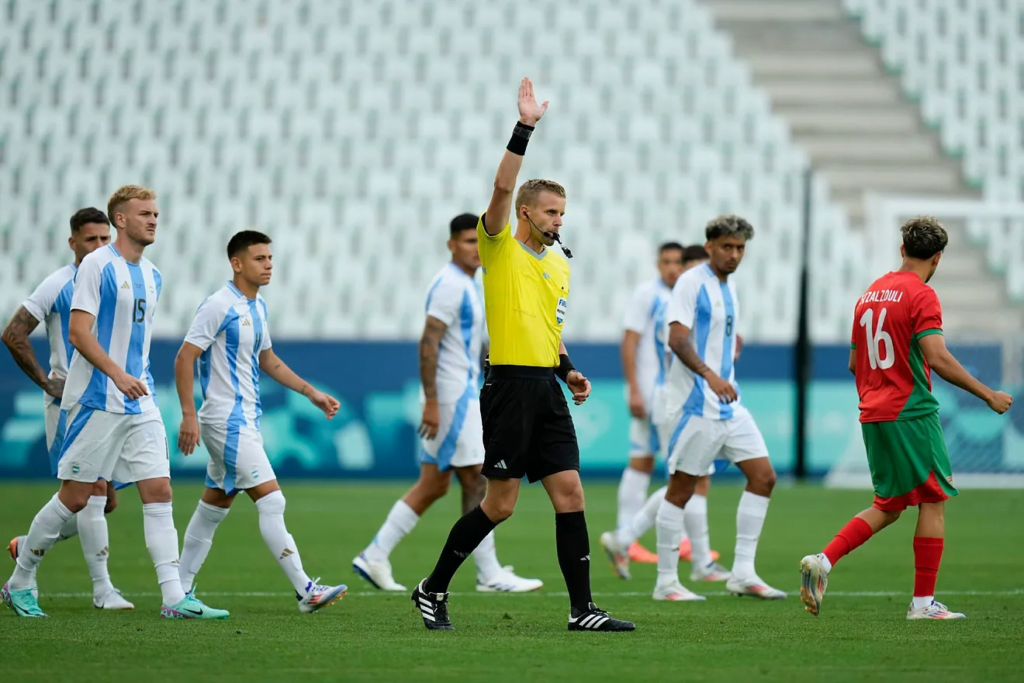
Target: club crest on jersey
{"type": "Point", "coordinates": [560, 310]}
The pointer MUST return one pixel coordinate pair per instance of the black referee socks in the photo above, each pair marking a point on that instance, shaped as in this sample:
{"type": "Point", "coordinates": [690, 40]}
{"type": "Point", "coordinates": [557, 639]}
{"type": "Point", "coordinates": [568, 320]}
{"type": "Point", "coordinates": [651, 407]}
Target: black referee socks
{"type": "Point", "coordinates": [574, 556]}
{"type": "Point", "coordinates": [463, 539]}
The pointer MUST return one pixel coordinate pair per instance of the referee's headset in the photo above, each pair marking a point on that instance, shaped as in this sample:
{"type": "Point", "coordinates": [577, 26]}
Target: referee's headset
{"type": "Point", "coordinates": [550, 235]}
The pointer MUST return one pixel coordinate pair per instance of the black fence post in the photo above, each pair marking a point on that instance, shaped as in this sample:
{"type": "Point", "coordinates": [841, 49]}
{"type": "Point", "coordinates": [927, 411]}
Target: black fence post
{"type": "Point", "coordinates": [804, 354]}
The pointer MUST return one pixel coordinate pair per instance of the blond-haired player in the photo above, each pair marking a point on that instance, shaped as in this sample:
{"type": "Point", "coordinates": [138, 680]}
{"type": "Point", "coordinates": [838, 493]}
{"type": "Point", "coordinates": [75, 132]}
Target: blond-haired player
{"type": "Point", "coordinates": [114, 427]}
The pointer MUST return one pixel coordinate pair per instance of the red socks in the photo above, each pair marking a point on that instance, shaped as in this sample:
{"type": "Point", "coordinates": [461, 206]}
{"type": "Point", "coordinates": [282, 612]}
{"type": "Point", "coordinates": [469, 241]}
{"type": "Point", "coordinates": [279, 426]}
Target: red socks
{"type": "Point", "coordinates": [852, 536]}
{"type": "Point", "coordinates": [927, 555]}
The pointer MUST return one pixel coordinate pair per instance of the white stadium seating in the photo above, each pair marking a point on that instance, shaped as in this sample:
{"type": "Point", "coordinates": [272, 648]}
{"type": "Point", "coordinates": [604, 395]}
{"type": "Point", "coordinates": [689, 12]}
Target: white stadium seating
{"type": "Point", "coordinates": [963, 60]}
{"type": "Point", "coordinates": [353, 131]}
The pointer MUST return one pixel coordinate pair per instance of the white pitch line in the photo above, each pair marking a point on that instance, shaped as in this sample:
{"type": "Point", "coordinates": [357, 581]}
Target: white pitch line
{"type": "Point", "coordinates": [550, 594]}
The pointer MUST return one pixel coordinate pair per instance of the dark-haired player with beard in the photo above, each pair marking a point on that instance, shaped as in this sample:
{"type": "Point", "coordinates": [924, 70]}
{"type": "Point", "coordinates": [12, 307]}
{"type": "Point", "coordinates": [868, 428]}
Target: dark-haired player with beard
{"type": "Point", "coordinates": [896, 342]}
{"type": "Point", "coordinates": [528, 429]}
{"type": "Point", "coordinates": [50, 304]}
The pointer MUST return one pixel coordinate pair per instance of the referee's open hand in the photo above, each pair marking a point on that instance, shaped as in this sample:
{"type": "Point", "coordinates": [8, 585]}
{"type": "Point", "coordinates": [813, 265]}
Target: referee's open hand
{"type": "Point", "coordinates": [579, 385]}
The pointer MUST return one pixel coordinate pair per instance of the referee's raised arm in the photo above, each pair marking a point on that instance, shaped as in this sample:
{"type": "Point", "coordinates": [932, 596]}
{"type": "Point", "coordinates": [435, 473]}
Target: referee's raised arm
{"type": "Point", "coordinates": [508, 170]}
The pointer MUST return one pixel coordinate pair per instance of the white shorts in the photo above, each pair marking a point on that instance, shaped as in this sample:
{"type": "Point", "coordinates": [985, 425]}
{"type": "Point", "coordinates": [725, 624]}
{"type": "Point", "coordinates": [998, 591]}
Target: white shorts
{"type": "Point", "coordinates": [113, 446]}
{"type": "Point", "coordinates": [643, 438]}
{"type": "Point", "coordinates": [238, 461]}
{"type": "Point", "coordinates": [696, 443]}
{"type": "Point", "coordinates": [460, 437]}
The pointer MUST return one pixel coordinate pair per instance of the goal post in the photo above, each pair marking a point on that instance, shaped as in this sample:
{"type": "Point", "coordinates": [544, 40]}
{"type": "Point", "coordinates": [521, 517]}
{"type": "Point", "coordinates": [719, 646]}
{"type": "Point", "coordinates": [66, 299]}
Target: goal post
{"type": "Point", "coordinates": [986, 449]}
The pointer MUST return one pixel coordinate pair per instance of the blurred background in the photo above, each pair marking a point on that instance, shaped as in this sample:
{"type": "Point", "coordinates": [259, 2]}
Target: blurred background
{"type": "Point", "coordinates": [352, 132]}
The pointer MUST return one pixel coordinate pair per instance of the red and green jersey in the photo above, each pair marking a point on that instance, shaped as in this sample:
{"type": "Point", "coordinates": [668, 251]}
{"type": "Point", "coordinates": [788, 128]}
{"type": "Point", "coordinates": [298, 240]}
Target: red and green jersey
{"type": "Point", "coordinates": [893, 379]}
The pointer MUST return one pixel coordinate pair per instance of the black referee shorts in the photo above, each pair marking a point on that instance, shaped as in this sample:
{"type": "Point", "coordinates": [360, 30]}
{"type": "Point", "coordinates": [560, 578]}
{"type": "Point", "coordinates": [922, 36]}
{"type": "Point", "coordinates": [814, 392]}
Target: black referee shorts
{"type": "Point", "coordinates": [528, 429]}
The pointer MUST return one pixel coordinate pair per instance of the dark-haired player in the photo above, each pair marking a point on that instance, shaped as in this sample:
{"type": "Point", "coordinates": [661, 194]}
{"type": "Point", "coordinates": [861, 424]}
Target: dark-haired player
{"type": "Point", "coordinates": [708, 420]}
{"type": "Point", "coordinates": [50, 304]}
{"type": "Point", "coordinates": [451, 348]}
{"type": "Point", "coordinates": [230, 338]}
{"type": "Point", "coordinates": [644, 364]}
{"type": "Point", "coordinates": [896, 343]}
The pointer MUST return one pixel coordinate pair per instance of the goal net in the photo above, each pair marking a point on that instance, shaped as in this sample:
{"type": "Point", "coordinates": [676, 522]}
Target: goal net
{"type": "Point", "coordinates": [986, 449]}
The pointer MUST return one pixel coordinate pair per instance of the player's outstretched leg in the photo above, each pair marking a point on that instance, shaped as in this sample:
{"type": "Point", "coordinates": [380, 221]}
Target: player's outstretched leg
{"type": "Point", "coordinates": [815, 569]}
{"type": "Point", "coordinates": [373, 564]}
{"type": "Point", "coordinates": [491, 575]}
{"type": "Point", "coordinates": [19, 593]}
{"type": "Point", "coordinates": [312, 596]}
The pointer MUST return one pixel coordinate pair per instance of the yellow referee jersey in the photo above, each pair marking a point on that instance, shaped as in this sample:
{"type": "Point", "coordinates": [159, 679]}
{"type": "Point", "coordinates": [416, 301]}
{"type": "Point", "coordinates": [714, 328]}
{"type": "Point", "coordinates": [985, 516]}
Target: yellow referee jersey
{"type": "Point", "coordinates": [525, 295]}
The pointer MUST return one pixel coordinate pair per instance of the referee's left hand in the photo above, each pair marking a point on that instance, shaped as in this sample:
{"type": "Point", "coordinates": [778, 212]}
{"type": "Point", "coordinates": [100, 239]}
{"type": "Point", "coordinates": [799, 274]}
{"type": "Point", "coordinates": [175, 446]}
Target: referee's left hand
{"type": "Point", "coordinates": [579, 385]}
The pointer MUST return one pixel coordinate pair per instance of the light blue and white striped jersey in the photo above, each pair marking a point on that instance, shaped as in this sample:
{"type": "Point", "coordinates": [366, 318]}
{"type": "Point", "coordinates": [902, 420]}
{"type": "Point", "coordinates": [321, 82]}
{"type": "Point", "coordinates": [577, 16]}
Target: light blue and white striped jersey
{"type": "Point", "coordinates": [456, 299]}
{"type": "Point", "coordinates": [50, 304]}
{"type": "Point", "coordinates": [123, 297]}
{"type": "Point", "coordinates": [710, 308]}
{"type": "Point", "coordinates": [232, 331]}
{"type": "Point", "coordinates": [646, 317]}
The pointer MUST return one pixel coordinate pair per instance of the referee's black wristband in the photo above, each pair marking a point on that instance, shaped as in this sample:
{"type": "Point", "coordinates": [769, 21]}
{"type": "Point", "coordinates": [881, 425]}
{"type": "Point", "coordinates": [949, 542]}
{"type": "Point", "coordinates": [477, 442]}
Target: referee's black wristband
{"type": "Point", "coordinates": [520, 138]}
{"type": "Point", "coordinates": [565, 366]}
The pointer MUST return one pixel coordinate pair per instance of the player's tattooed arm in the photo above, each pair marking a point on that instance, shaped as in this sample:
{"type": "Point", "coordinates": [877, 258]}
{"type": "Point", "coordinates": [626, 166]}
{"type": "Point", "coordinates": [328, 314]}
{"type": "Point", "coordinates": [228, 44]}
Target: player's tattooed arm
{"type": "Point", "coordinates": [430, 344]}
{"type": "Point", "coordinates": [679, 342]}
{"type": "Point", "coordinates": [15, 337]}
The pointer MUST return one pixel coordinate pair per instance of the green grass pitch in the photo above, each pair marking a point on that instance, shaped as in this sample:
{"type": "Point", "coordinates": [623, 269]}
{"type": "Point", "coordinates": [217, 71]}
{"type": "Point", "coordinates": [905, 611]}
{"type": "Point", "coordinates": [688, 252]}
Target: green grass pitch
{"type": "Point", "coordinates": [861, 635]}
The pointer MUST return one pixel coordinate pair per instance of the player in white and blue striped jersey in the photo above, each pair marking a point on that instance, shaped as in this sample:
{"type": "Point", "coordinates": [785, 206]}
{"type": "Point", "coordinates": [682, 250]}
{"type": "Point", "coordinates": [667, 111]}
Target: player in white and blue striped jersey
{"type": "Point", "coordinates": [114, 431]}
{"type": "Point", "coordinates": [50, 304]}
{"type": "Point", "coordinates": [451, 430]}
{"type": "Point", "coordinates": [636, 513]}
{"type": "Point", "coordinates": [702, 402]}
{"type": "Point", "coordinates": [230, 339]}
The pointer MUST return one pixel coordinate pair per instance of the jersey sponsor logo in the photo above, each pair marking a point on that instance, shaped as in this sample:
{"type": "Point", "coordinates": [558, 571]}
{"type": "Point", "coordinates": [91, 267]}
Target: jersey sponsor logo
{"type": "Point", "coordinates": [560, 310]}
{"type": "Point", "coordinates": [125, 285]}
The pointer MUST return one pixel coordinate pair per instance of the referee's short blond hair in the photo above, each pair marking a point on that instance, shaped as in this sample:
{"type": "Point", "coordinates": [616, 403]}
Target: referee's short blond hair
{"type": "Point", "coordinates": [125, 194]}
{"type": "Point", "coordinates": [531, 189]}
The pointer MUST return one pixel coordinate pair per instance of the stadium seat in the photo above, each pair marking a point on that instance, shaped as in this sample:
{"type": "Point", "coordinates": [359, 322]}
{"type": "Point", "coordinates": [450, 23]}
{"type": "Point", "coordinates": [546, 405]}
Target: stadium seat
{"type": "Point", "coordinates": [962, 61]}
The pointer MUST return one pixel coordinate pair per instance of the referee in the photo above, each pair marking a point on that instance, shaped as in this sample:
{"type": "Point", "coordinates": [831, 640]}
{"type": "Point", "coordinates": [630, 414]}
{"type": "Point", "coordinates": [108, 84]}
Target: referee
{"type": "Point", "coordinates": [527, 426]}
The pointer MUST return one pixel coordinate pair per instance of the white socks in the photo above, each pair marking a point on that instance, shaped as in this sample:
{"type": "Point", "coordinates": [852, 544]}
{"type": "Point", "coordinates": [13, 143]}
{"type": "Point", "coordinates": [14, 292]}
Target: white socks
{"type": "Point", "coordinates": [43, 533]}
{"type": "Point", "coordinates": [92, 525]}
{"type": "Point", "coordinates": [486, 558]}
{"type": "Point", "coordinates": [921, 603]}
{"type": "Point", "coordinates": [271, 510]}
{"type": "Point", "coordinates": [642, 521]}
{"type": "Point", "coordinates": [669, 524]}
{"type": "Point", "coordinates": [400, 521]}
{"type": "Point", "coordinates": [70, 528]}
{"type": "Point", "coordinates": [749, 521]}
{"type": "Point", "coordinates": [198, 541]}
{"type": "Point", "coordinates": [696, 522]}
{"type": "Point", "coordinates": [162, 544]}
{"type": "Point", "coordinates": [632, 494]}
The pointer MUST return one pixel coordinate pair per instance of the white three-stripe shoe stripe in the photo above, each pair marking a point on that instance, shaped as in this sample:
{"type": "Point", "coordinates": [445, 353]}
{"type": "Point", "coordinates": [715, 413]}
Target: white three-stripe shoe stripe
{"type": "Point", "coordinates": [593, 621]}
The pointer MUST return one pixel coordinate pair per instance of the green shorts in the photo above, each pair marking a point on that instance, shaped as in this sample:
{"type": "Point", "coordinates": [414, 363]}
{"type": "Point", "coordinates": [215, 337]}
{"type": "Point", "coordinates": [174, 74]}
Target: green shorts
{"type": "Point", "coordinates": [909, 462]}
